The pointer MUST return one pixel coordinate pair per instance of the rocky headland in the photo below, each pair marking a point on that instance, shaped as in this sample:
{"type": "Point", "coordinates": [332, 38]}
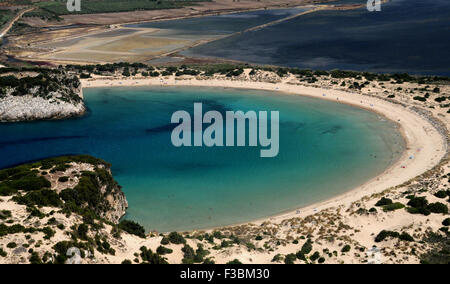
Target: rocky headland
{"type": "Point", "coordinates": [45, 95]}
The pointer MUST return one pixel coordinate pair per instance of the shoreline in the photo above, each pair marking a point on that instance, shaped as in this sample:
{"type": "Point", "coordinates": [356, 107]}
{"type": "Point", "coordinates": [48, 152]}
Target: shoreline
{"type": "Point", "coordinates": [422, 138]}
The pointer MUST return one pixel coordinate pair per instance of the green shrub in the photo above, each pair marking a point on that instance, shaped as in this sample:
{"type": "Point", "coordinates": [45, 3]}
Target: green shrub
{"type": "Point", "coordinates": [277, 258]}
{"type": "Point", "coordinates": [290, 258]}
{"type": "Point", "coordinates": [34, 212]}
{"type": "Point", "coordinates": [418, 202]}
{"type": "Point", "coordinates": [188, 254]}
{"type": "Point", "coordinates": [200, 254]}
{"type": "Point", "coordinates": [176, 238]}
{"type": "Point", "coordinates": [393, 207]}
{"type": "Point", "coordinates": [385, 234]}
{"type": "Point", "coordinates": [346, 248]}
{"type": "Point", "coordinates": [3, 253]}
{"type": "Point", "coordinates": [226, 244]}
{"type": "Point", "coordinates": [14, 229]}
{"type": "Point", "coordinates": [165, 241]}
{"type": "Point", "coordinates": [315, 256]}
{"type": "Point", "coordinates": [63, 179]}
{"type": "Point", "coordinates": [421, 210]}
{"type": "Point", "coordinates": [6, 190]}
{"type": "Point", "coordinates": [441, 194]}
{"type": "Point", "coordinates": [103, 246]}
{"type": "Point", "coordinates": [86, 197]}
{"type": "Point", "coordinates": [85, 76]}
{"type": "Point", "coordinates": [306, 249]}
{"type": "Point", "coordinates": [406, 237]}
{"type": "Point", "coordinates": [438, 208]}
{"type": "Point", "coordinates": [5, 214]}
{"type": "Point", "coordinates": [62, 247]}
{"type": "Point", "coordinates": [208, 261]}
{"type": "Point", "coordinates": [148, 256]}
{"type": "Point", "coordinates": [218, 235]}
{"type": "Point", "coordinates": [127, 261]}
{"type": "Point", "coordinates": [163, 250]}
{"type": "Point", "coordinates": [41, 197]}
{"type": "Point", "coordinates": [35, 259]}
{"type": "Point", "coordinates": [234, 262]}
{"type": "Point", "coordinates": [48, 233]}
{"type": "Point", "coordinates": [419, 98]}
{"type": "Point", "coordinates": [11, 245]}
{"type": "Point", "coordinates": [27, 183]}
{"type": "Point", "coordinates": [446, 222]}
{"type": "Point", "coordinates": [321, 260]}
{"type": "Point", "coordinates": [82, 231]}
{"type": "Point", "coordinates": [383, 202]}
{"type": "Point", "coordinates": [133, 228]}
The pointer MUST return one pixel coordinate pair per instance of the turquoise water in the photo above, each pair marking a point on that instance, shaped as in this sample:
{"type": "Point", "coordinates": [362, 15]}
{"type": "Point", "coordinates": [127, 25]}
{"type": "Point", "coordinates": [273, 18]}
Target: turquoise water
{"type": "Point", "coordinates": [326, 148]}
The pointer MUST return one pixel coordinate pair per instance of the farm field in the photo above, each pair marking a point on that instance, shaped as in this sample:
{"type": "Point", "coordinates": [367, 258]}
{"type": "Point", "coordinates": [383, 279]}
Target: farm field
{"type": "Point", "coordinates": [55, 9]}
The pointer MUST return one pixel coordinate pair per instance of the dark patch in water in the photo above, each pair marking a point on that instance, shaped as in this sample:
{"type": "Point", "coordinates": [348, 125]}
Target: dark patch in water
{"type": "Point", "coordinates": [294, 126]}
{"type": "Point", "coordinates": [161, 129]}
{"type": "Point", "coordinates": [194, 166]}
{"type": "Point", "coordinates": [214, 105]}
{"type": "Point", "coordinates": [23, 162]}
{"type": "Point", "coordinates": [40, 139]}
{"type": "Point", "coordinates": [332, 130]}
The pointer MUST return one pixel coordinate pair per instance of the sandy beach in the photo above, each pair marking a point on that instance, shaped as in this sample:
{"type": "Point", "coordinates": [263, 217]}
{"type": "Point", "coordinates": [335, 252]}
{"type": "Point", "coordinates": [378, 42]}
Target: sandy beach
{"type": "Point", "coordinates": [423, 141]}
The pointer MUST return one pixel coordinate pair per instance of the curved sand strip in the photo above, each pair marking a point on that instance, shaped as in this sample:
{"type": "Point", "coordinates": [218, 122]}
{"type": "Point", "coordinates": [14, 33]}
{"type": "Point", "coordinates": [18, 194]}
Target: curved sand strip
{"type": "Point", "coordinates": [423, 140]}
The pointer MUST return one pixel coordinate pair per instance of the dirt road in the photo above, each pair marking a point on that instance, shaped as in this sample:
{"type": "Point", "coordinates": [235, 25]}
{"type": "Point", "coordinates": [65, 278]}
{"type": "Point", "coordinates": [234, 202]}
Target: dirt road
{"type": "Point", "coordinates": [11, 23]}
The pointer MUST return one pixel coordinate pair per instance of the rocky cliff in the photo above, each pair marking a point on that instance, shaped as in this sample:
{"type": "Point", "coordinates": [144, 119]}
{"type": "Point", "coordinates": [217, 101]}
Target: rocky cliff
{"type": "Point", "coordinates": [26, 96]}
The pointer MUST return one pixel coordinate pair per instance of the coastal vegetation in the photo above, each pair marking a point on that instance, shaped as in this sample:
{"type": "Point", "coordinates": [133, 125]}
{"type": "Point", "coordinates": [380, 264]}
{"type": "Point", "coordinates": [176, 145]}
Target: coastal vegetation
{"type": "Point", "coordinates": [176, 238]}
{"type": "Point", "coordinates": [53, 10]}
{"type": "Point", "coordinates": [235, 70]}
{"type": "Point", "coordinates": [132, 227]}
{"type": "Point", "coordinates": [149, 257]}
{"type": "Point", "coordinates": [90, 199]}
{"type": "Point", "coordinates": [44, 84]}
{"type": "Point", "coordinates": [33, 94]}
{"type": "Point", "coordinates": [420, 205]}
{"type": "Point", "coordinates": [5, 16]}
{"type": "Point", "coordinates": [386, 234]}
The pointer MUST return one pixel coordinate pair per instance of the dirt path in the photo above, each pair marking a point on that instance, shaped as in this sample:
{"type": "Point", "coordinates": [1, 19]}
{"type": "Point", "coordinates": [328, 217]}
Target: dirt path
{"type": "Point", "coordinates": [11, 23]}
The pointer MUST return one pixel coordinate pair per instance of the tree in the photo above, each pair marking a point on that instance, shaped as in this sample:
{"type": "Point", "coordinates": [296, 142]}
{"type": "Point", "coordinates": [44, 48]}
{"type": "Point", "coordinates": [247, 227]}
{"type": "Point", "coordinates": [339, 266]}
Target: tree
{"type": "Point", "coordinates": [133, 228]}
{"type": "Point", "coordinates": [82, 231]}
{"type": "Point", "coordinates": [176, 238]}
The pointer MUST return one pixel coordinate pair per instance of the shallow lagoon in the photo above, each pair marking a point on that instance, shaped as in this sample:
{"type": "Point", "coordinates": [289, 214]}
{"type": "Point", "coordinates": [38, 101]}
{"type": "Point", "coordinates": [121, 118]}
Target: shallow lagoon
{"type": "Point", "coordinates": [411, 36]}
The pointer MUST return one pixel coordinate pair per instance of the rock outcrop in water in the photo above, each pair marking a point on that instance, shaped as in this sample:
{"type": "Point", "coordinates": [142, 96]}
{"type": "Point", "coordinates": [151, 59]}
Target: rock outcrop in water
{"type": "Point", "coordinates": [26, 96]}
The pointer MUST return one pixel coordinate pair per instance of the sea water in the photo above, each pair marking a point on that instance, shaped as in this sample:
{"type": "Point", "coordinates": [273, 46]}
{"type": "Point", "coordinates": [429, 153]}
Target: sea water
{"type": "Point", "coordinates": [326, 148]}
